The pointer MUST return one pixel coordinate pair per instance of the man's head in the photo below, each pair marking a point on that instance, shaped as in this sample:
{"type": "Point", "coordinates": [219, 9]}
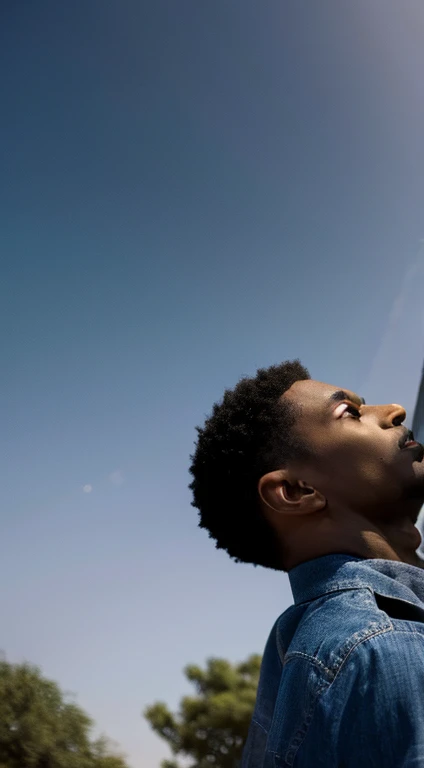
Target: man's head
{"type": "Point", "coordinates": [287, 469]}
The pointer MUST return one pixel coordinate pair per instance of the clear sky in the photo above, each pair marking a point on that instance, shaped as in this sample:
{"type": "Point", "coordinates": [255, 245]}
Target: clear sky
{"type": "Point", "coordinates": [190, 190]}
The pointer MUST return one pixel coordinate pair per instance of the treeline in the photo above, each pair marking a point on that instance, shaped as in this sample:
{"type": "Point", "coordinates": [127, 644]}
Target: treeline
{"type": "Point", "coordinates": [41, 728]}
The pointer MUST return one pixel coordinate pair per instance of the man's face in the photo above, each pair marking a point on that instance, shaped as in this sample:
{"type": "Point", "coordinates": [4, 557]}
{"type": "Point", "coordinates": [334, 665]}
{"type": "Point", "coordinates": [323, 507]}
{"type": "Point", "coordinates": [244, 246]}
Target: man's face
{"type": "Point", "coordinates": [357, 460]}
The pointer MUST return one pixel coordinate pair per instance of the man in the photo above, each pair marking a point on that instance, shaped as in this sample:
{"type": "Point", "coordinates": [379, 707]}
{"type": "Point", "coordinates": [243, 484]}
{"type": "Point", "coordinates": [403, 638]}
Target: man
{"type": "Point", "coordinates": [300, 476]}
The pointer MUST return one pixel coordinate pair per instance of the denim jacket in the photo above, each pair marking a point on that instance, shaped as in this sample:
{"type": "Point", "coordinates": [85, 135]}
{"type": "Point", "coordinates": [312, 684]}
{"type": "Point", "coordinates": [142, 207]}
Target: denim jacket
{"type": "Point", "coordinates": [342, 676]}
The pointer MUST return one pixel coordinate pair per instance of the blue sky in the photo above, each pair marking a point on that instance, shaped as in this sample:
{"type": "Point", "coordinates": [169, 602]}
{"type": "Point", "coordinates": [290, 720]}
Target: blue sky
{"type": "Point", "coordinates": [189, 191]}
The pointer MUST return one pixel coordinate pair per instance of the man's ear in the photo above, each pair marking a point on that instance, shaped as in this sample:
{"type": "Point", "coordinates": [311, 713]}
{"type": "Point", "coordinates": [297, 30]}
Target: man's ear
{"type": "Point", "coordinates": [283, 493]}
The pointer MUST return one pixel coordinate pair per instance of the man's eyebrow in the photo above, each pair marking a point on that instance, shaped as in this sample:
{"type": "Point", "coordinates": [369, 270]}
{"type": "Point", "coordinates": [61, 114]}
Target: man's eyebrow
{"type": "Point", "coordinates": [341, 395]}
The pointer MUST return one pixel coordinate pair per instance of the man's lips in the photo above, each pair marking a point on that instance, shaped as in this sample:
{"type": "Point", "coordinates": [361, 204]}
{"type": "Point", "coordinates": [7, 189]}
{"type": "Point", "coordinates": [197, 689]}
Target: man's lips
{"type": "Point", "coordinates": [407, 439]}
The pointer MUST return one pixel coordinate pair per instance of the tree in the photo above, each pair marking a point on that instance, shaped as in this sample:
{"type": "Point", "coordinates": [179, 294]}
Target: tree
{"type": "Point", "coordinates": [210, 727]}
{"type": "Point", "coordinates": [39, 728]}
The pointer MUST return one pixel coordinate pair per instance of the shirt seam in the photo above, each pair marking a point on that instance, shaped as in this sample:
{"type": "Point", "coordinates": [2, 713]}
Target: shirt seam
{"type": "Point", "coordinates": [336, 587]}
{"type": "Point", "coordinates": [312, 659]}
{"type": "Point", "coordinates": [260, 725]}
{"type": "Point", "coordinates": [381, 631]}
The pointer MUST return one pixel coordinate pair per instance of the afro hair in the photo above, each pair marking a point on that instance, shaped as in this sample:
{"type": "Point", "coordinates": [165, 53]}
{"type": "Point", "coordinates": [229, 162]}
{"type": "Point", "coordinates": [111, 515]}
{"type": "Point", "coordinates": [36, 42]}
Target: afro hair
{"type": "Point", "coordinates": [251, 432]}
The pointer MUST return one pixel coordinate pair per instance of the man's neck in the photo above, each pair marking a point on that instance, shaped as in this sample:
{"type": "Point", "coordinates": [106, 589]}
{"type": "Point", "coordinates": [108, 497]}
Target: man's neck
{"type": "Point", "coordinates": [359, 537]}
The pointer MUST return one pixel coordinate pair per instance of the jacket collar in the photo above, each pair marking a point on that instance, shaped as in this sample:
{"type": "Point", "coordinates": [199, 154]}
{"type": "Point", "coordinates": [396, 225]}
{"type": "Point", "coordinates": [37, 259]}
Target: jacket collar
{"type": "Point", "coordinates": [332, 573]}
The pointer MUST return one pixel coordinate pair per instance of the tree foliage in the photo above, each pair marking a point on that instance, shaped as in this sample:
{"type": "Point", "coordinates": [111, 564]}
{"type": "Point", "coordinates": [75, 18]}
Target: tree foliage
{"type": "Point", "coordinates": [210, 727]}
{"type": "Point", "coordinates": [39, 728]}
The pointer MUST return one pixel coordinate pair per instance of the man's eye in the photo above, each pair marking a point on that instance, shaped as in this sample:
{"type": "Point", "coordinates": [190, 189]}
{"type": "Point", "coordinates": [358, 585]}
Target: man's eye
{"type": "Point", "coordinates": [351, 410]}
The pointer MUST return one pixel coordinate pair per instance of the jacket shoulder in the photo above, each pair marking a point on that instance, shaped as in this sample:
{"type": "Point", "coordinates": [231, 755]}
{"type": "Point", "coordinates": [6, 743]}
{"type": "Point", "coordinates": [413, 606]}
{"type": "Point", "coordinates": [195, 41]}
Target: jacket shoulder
{"type": "Point", "coordinates": [331, 627]}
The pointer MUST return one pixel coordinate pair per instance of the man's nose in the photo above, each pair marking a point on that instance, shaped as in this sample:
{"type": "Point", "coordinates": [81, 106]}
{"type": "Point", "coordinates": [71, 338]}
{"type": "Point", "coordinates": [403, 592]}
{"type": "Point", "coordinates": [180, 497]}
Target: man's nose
{"type": "Point", "coordinates": [394, 414]}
